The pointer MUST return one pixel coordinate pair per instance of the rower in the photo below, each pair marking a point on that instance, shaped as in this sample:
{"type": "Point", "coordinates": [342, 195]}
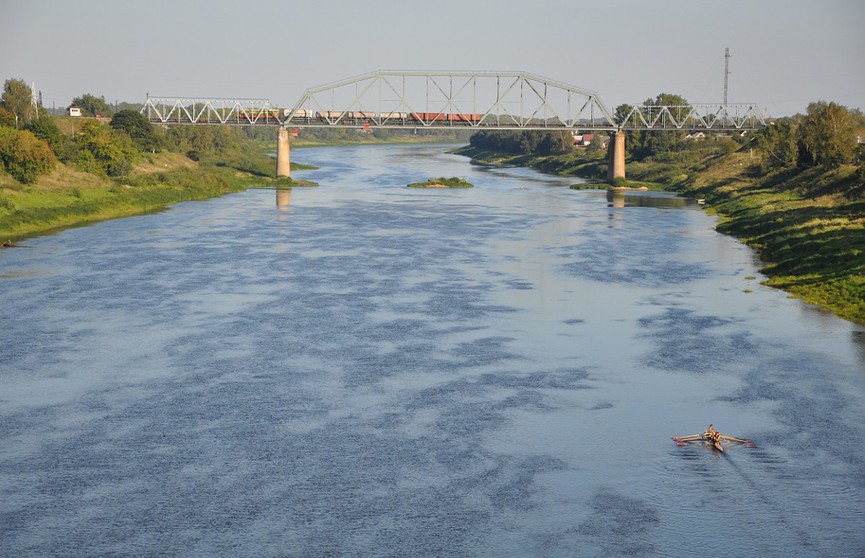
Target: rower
{"type": "Point", "coordinates": [710, 432]}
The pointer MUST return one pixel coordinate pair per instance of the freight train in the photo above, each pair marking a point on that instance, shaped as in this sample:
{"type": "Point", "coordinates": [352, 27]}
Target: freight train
{"type": "Point", "coordinates": [351, 116]}
{"type": "Point", "coordinates": [386, 117]}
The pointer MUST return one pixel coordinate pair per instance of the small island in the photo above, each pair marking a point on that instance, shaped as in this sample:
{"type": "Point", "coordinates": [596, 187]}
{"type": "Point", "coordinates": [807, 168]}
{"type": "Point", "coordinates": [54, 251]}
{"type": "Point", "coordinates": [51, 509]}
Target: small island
{"type": "Point", "coordinates": [452, 182]}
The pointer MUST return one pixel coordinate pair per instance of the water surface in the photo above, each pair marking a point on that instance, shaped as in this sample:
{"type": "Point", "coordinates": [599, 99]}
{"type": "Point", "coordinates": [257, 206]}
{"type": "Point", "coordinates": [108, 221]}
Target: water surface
{"type": "Point", "coordinates": [363, 369]}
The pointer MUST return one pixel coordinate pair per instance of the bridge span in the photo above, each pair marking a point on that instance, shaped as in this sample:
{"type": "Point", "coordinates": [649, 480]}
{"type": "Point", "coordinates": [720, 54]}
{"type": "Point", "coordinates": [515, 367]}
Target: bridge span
{"type": "Point", "coordinates": [440, 100]}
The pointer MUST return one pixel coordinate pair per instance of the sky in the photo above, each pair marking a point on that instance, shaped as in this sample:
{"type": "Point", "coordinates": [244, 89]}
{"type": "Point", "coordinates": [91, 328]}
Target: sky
{"type": "Point", "coordinates": [784, 53]}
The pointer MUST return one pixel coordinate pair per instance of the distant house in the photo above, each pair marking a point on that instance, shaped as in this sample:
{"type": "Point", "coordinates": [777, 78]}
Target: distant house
{"type": "Point", "coordinates": [582, 140]}
{"type": "Point", "coordinates": [74, 111]}
{"type": "Point", "coordinates": [696, 136]}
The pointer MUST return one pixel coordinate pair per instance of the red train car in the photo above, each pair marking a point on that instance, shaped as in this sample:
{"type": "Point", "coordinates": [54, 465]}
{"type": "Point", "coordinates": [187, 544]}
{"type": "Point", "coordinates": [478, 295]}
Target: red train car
{"type": "Point", "coordinates": [428, 116]}
{"type": "Point", "coordinates": [452, 118]}
{"type": "Point", "coordinates": [466, 118]}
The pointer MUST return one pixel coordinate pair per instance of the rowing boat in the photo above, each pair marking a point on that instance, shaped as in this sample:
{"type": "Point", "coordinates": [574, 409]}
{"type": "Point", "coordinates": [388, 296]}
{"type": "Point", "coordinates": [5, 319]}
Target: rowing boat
{"type": "Point", "coordinates": [711, 439]}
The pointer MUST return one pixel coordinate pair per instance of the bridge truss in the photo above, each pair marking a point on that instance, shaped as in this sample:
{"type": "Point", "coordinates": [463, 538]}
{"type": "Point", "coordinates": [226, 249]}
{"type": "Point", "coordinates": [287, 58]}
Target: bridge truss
{"type": "Point", "coordinates": [694, 117]}
{"type": "Point", "coordinates": [473, 100]}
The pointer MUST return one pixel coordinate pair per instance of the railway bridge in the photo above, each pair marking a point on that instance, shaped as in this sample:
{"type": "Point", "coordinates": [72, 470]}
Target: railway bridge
{"type": "Point", "coordinates": [439, 100]}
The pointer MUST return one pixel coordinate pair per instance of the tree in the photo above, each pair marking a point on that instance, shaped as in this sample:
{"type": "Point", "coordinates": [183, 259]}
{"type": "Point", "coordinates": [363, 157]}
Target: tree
{"type": "Point", "coordinates": [641, 144]}
{"type": "Point", "coordinates": [92, 105]}
{"type": "Point", "coordinates": [780, 143]}
{"type": "Point", "coordinates": [208, 139]}
{"type": "Point", "coordinates": [828, 136]}
{"type": "Point", "coordinates": [138, 128]}
{"type": "Point", "coordinates": [45, 129]}
{"type": "Point", "coordinates": [622, 111]}
{"type": "Point", "coordinates": [6, 118]}
{"type": "Point", "coordinates": [18, 99]}
{"type": "Point", "coordinates": [100, 150]}
{"type": "Point", "coordinates": [566, 140]}
{"type": "Point", "coordinates": [664, 142]}
{"type": "Point", "coordinates": [670, 100]}
{"type": "Point", "coordinates": [24, 156]}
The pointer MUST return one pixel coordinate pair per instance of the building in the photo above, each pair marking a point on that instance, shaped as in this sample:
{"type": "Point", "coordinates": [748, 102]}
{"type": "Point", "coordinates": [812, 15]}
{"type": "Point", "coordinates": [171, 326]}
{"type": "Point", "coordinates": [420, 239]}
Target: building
{"type": "Point", "coordinates": [74, 111]}
{"type": "Point", "coordinates": [583, 140]}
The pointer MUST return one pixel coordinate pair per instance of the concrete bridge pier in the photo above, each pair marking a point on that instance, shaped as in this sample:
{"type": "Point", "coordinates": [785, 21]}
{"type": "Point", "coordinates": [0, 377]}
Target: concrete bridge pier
{"type": "Point", "coordinates": [616, 156]}
{"type": "Point", "coordinates": [283, 158]}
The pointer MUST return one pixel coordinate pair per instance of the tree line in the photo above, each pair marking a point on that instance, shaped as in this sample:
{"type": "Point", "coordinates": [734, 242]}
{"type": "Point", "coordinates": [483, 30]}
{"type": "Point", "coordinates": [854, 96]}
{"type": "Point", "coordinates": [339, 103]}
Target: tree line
{"type": "Point", "coordinates": [31, 143]}
{"type": "Point", "coordinates": [825, 136]}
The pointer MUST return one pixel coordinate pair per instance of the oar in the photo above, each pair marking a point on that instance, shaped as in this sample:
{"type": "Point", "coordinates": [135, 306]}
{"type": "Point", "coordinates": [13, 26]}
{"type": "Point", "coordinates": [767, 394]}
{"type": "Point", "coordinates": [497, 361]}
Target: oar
{"type": "Point", "coordinates": [688, 437]}
{"type": "Point", "coordinates": [732, 439]}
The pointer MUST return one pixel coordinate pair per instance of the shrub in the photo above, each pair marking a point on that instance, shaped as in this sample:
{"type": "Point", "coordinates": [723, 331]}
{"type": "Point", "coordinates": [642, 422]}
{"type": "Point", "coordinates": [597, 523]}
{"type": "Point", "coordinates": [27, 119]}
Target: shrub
{"type": "Point", "coordinates": [24, 156]}
{"type": "Point", "coordinates": [105, 152]}
{"type": "Point", "coordinates": [139, 129]}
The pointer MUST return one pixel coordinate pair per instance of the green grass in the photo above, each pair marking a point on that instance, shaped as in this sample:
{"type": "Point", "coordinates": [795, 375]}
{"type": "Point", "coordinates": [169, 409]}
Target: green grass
{"type": "Point", "coordinates": [810, 236]}
{"type": "Point", "coordinates": [452, 182]}
{"type": "Point", "coordinates": [33, 211]}
{"type": "Point", "coordinates": [70, 198]}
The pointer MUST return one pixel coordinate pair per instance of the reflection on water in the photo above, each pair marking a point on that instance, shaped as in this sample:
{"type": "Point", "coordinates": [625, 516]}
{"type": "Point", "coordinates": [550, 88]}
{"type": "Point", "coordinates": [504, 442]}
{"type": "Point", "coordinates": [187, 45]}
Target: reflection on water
{"type": "Point", "coordinates": [624, 197]}
{"type": "Point", "coordinates": [283, 198]}
{"type": "Point", "coordinates": [382, 371]}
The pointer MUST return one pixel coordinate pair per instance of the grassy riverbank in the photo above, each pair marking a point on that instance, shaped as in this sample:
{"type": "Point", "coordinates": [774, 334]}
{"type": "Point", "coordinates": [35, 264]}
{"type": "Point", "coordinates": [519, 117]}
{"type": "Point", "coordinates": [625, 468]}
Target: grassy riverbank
{"type": "Point", "coordinates": [812, 246]}
{"type": "Point", "coordinates": [69, 197]}
{"type": "Point", "coordinates": [808, 226]}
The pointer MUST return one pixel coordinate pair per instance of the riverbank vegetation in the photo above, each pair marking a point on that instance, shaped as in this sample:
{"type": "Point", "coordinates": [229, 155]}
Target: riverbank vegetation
{"type": "Point", "coordinates": [453, 182]}
{"type": "Point", "coordinates": [794, 191]}
{"type": "Point", "coordinates": [58, 172]}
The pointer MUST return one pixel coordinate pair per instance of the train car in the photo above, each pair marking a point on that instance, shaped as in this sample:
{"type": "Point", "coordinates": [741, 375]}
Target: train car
{"type": "Point", "coordinates": [393, 115]}
{"type": "Point", "coordinates": [299, 113]}
{"type": "Point", "coordinates": [328, 114]}
{"type": "Point", "coordinates": [464, 118]}
{"type": "Point", "coordinates": [360, 115]}
{"type": "Point", "coordinates": [428, 116]}
{"type": "Point", "coordinates": [259, 116]}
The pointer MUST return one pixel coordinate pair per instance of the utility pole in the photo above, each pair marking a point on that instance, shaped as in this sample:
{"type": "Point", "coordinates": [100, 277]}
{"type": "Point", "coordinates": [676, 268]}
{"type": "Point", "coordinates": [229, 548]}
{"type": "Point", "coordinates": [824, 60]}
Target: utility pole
{"type": "Point", "coordinates": [726, 72]}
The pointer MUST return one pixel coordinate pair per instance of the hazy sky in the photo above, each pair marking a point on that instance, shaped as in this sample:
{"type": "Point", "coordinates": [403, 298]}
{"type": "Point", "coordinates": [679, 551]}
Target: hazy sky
{"type": "Point", "coordinates": [785, 53]}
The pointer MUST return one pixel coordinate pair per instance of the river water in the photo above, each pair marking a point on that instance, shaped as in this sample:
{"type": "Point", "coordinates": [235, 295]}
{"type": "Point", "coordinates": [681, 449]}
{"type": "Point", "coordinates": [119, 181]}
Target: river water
{"type": "Point", "coordinates": [363, 369]}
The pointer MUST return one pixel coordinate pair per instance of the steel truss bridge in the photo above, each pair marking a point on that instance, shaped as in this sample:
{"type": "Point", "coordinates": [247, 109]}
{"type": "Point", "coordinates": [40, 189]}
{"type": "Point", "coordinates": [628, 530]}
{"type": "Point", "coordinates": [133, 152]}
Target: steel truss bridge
{"type": "Point", "coordinates": [436, 100]}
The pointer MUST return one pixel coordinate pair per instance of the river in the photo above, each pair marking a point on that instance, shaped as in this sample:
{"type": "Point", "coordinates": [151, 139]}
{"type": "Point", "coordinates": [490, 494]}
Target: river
{"type": "Point", "coordinates": [364, 369]}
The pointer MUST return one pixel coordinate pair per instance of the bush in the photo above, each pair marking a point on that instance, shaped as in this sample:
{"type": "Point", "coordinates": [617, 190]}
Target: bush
{"type": "Point", "coordinates": [105, 152]}
{"type": "Point", "coordinates": [729, 146]}
{"type": "Point", "coordinates": [24, 156]}
{"type": "Point", "coordinates": [139, 129]}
